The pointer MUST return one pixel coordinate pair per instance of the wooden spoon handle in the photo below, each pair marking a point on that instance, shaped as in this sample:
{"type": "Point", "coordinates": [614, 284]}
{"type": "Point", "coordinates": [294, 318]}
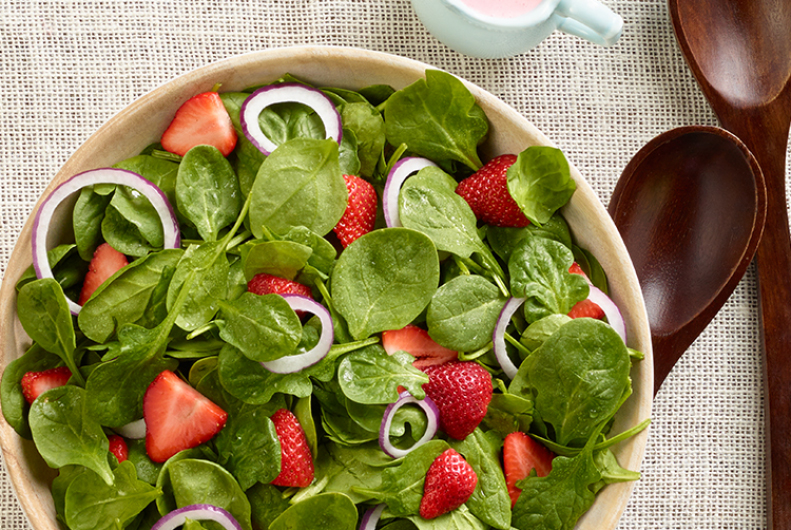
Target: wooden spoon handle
{"type": "Point", "coordinates": [768, 143]}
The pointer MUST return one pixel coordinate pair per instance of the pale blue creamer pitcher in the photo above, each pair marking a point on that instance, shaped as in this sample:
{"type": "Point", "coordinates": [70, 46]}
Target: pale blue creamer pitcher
{"type": "Point", "coordinates": [472, 32]}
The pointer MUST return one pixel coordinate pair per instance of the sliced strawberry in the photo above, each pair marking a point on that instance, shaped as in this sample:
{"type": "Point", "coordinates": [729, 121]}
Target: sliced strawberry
{"type": "Point", "coordinates": [486, 191]}
{"type": "Point", "coordinates": [462, 391]}
{"type": "Point", "coordinates": [450, 482]}
{"type": "Point", "coordinates": [360, 214]}
{"type": "Point", "coordinates": [106, 261]}
{"type": "Point", "coordinates": [522, 454]}
{"type": "Point", "coordinates": [576, 269]}
{"type": "Point", "coordinates": [201, 120]}
{"type": "Point", "coordinates": [296, 461]}
{"type": "Point", "coordinates": [586, 309]}
{"type": "Point", "coordinates": [268, 284]}
{"type": "Point", "coordinates": [417, 342]}
{"type": "Point", "coordinates": [36, 383]}
{"type": "Point", "coordinates": [177, 417]}
{"type": "Point", "coordinates": [118, 447]}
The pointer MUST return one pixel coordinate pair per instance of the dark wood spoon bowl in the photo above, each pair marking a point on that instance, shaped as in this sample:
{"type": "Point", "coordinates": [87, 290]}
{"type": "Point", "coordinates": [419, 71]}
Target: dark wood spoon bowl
{"type": "Point", "coordinates": [690, 207]}
{"type": "Point", "coordinates": [740, 54]}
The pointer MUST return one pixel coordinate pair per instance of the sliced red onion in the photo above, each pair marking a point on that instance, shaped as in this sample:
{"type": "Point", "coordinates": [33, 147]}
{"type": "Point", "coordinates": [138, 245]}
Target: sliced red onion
{"type": "Point", "coordinates": [197, 512]}
{"type": "Point", "coordinates": [295, 363]}
{"type": "Point", "coordinates": [121, 177]}
{"type": "Point", "coordinates": [395, 179]}
{"type": "Point", "coordinates": [264, 97]}
{"type": "Point", "coordinates": [611, 310]}
{"type": "Point", "coordinates": [405, 398]}
{"type": "Point", "coordinates": [135, 430]}
{"type": "Point", "coordinates": [371, 517]}
{"type": "Point", "coordinates": [498, 337]}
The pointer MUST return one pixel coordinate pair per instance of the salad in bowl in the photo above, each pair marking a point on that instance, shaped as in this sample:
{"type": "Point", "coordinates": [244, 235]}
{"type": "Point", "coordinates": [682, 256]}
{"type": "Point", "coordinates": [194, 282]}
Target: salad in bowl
{"type": "Point", "coordinates": [322, 288]}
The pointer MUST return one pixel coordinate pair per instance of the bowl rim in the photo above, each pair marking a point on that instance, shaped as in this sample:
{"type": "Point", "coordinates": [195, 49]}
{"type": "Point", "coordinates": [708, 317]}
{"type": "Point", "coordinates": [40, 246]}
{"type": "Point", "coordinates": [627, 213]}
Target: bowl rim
{"type": "Point", "coordinates": [34, 496]}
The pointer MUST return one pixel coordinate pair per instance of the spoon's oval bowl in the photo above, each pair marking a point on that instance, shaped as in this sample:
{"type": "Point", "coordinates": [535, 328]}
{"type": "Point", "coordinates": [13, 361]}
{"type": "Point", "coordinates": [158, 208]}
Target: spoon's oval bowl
{"type": "Point", "coordinates": [690, 207]}
{"type": "Point", "coordinates": [143, 122]}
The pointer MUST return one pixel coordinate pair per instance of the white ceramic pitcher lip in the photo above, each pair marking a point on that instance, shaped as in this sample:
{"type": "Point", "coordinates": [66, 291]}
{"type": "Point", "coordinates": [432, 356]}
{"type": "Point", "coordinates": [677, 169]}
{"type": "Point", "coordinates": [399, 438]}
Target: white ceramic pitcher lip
{"type": "Point", "coordinates": [533, 17]}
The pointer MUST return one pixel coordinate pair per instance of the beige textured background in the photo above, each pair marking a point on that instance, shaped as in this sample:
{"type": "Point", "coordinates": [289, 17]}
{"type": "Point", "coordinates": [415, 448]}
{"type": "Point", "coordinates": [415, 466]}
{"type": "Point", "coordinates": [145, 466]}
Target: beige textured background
{"type": "Point", "coordinates": [68, 66]}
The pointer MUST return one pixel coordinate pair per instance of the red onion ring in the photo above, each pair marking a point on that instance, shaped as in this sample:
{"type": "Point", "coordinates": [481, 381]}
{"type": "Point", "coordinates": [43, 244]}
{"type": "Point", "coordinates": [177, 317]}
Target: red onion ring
{"type": "Point", "coordinates": [405, 398]}
{"type": "Point", "coordinates": [395, 179]}
{"type": "Point", "coordinates": [264, 97]}
{"type": "Point", "coordinates": [121, 177]}
{"type": "Point", "coordinates": [498, 337]}
{"type": "Point", "coordinates": [295, 363]}
{"type": "Point", "coordinates": [611, 311]}
{"type": "Point", "coordinates": [197, 512]}
{"type": "Point", "coordinates": [134, 430]}
{"type": "Point", "coordinates": [371, 517]}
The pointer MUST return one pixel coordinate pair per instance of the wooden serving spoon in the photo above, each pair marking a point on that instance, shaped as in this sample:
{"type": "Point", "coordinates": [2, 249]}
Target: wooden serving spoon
{"type": "Point", "coordinates": [690, 207]}
{"type": "Point", "coordinates": [740, 54]}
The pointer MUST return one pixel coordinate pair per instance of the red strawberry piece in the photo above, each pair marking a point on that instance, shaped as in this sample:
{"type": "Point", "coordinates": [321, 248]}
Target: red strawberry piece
{"type": "Point", "coordinates": [118, 447]}
{"type": "Point", "coordinates": [360, 214]}
{"type": "Point", "coordinates": [486, 191]}
{"type": "Point", "coordinates": [521, 455]}
{"type": "Point", "coordinates": [177, 417]}
{"type": "Point", "coordinates": [106, 261]}
{"type": "Point", "coordinates": [450, 481]}
{"type": "Point", "coordinates": [586, 309]}
{"type": "Point", "coordinates": [462, 391]}
{"type": "Point", "coordinates": [416, 342]}
{"type": "Point", "coordinates": [576, 269]}
{"type": "Point", "coordinates": [36, 383]}
{"type": "Point", "coordinates": [268, 284]}
{"type": "Point", "coordinates": [296, 462]}
{"type": "Point", "coordinates": [201, 120]}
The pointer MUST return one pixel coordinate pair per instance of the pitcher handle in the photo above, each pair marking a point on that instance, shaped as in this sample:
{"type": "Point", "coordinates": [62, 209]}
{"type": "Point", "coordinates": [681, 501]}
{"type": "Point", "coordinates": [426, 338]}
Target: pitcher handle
{"type": "Point", "coordinates": [590, 20]}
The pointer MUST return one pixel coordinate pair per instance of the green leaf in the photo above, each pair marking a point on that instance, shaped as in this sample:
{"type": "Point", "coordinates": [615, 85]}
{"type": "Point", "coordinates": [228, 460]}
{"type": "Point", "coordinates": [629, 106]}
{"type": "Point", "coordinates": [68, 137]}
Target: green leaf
{"type": "Point", "coordinates": [209, 263]}
{"type": "Point", "coordinates": [299, 184]}
{"type": "Point", "coordinates": [384, 280]}
{"type": "Point", "coordinates": [87, 220]}
{"type": "Point", "coordinates": [249, 447]}
{"type": "Point", "coordinates": [267, 503]}
{"type": "Point", "coordinates": [438, 118]}
{"type": "Point", "coordinates": [324, 511]}
{"type": "Point", "coordinates": [372, 377]}
{"type": "Point", "coordinates": [12, 401]}
{"type": "Point", "coordinates": [368, 127]}
{"type": "Point", "coordinates": [250, 382]}
{"type": "Point", "coordinates": [540, 182]}
{"type": "Point", "coordinates": [66, 433]}
{"type": "Point", "coordinates": [278, 258]}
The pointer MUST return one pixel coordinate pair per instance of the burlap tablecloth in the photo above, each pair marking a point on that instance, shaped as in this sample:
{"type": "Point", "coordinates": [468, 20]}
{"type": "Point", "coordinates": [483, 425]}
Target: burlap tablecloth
{"type": "Point", "coordinates": [67, 66]}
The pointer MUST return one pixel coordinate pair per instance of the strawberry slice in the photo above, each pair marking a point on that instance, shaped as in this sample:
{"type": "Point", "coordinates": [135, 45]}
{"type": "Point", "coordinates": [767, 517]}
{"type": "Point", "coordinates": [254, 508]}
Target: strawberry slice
{"type": "Point", "coordinates": [296, 461]}
{"type": "Point", "coordinates": [450, 482]}
{"type": "Point", "coordinates": [106, 261]}
{"type": "Point", "coordinates": [36, 383]}
{"type": "Point", "coordinates": [267, 284]}
{"type": "Point", "coordinates": [201, 120]}
{"type": "Point", "coordinates": [118, 447]}
{"type": "Point", "coordinates": [584, 308]}
{"type": "Point", "coordinates": [360, 215]}
{"type": "Point", "coordinates": [177, 417]}
{"type": "Point", "coordinates": [486, 191]}
{"type": "Point", "coordinates": [462, 391]}
{"type": "Point", "coordinates": [521, 455]}
{"type": "Point", "coordinates": [417, 342]}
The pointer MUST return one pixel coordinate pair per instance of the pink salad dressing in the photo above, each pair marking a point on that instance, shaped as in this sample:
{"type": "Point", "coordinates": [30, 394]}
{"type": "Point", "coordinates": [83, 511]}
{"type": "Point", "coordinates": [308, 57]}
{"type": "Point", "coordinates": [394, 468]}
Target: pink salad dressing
{"type": "Point", "coordinates": [502, 8]}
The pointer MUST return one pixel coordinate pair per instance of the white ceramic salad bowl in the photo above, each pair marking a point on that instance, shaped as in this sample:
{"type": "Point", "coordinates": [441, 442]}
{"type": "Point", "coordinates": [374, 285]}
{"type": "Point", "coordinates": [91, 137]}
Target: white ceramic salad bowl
{"type": "Point", "coordinates": [143, 122]}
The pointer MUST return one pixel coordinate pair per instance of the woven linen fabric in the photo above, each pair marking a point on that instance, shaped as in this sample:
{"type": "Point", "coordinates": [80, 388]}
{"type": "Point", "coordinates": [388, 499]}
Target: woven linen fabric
{"type": "Point", "coordinates": [67, 66]}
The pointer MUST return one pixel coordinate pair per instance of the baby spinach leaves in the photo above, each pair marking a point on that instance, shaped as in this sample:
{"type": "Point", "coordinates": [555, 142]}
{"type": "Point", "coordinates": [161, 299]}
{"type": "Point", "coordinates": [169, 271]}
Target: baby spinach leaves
{"type": "Point", "coordinates": [540, 182]}
{"type": "Point", "coordinates": [371, 376]}
{"type": "Point", "coordinates": [12, 401]}
{"type": "Point", "coordinates": [327, 510]}
{"type": "Point", "coordinates": [384, 280]}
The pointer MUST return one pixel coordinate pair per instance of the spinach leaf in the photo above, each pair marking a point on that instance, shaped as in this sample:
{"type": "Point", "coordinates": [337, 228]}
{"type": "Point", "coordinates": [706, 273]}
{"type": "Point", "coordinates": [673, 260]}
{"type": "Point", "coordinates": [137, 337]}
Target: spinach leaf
{"type": "Point", "coordinates": [348, 159]}
{"type": "Point", "coordinates": [591, 266]}
{"type": "Point", "coordinates": [303, 410]}
{"type": "Point", "coordinates": [384, 280]}
{"type": "Point", "coordinates": [138, 211]}
{"type": "Point", "coordinates": [207, 191]}
{"type": "Point", "coordinates": [540, 182]}
{"type": "Point", "coordinates": [66, 433]}
{"type": "Point", "coordinates": [12, 401]}
{"type": "Point", "coordinates": [67, 268]}
{"type": "Point", "coordinates": [266, 504]}
{"type": "Point", "coordinates": [371, 376]}
{"type": "Point", "coordinates": [324, 511]}
{"type": "Point", "coordinates": [264, 328]}
{"type": "Point", "coordinates": [160, 172]}
{"type": "Point", "coordinates": [350, 468]}
{"type": "Point", "coordinates": [538, 332]}
{"type": "Point", "coordinates": [60, 484]}
{"type": "Point", "coordinates": [124, 235]}
{"type": "Point", "coordinates": [299, 184]}
{"type": "Point", "coordinates": [87, 220]}
{"type": "Point", "coordinates": [124, 297]}
{"type": "Point", "coordinates": [209, 263]}
{"type": "Point", "coordinates": [463, 312]}
{"type": "Point", "coordinates": [248, 446]}
{"type": "Point", "coordinates": [509, 413]}
{"type": "Point", "coordinates": [247, 158]}
{"type": "Point", "coordinates": [580, 376]}
{"type": "Point", "coordinates": [202, 482]}
{"type": "Point", "coordinates": [278, 258]}
{"type": "Point", "coordinates": [368, 127]}
{"type": "Point", "coordinates": [44, 313]}
{"type": "Point", "coordinates": [91, 504]}
{"type": "Point", "coordinates": [504, 239]}
{"type": "Point", "coordinates": [539, 271]}
{"type": "Point", "coordinates": [490, 501]}
{"type": "Point", "coordinates": [437, 118]}
{"type": "Point", "coordinates": [147, 470]}
{"type": "Point", "coordinates": [459, 519]}
{"type": "Point", "coordinates": [323, 253]}
{"type": "Point", "coordinates": [402, 483]}
{"type": "Point", "coordinates": [611, 471]}
{"type": "Point", "coordinates": [250, 382]}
